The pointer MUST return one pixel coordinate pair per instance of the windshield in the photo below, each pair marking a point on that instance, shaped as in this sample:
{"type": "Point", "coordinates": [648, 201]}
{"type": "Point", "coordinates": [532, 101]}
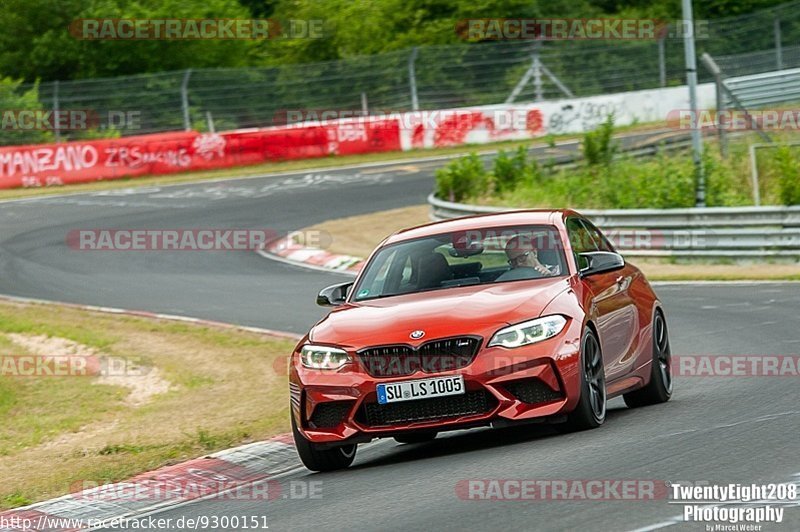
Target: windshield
{"type": "Point", "coordinates": [448, 260]}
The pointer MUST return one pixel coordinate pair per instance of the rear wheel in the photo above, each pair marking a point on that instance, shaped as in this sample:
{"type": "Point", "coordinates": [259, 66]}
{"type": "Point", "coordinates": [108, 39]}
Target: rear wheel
{"type": "Point", "coordinates": [659, 389]}
{"type": "Point", "coordinates": [591, 410]}
{"type": "Point", "coordinates": [322, 459]}
{"type": "Point", "coordinates": [415, 437]}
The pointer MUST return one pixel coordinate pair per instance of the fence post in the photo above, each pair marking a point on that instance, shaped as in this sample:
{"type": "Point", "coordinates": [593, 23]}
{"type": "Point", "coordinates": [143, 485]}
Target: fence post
{"type": "Point", "coordinates": [712, 67]}
{"type": "Point", "coordinates": [210, 122]}
{"type": "Point", "coordinates": [412, 78]}
{"type": "Point", "coordinates": [778, 45]}
{"type": "Point", "coordinates": [754, 174]}
{"type": "Point", "coordinates": [723, 138]}
{"type": "Point", "coordinates": [187, 123]}
{"type": "Point", "coordinates": [364, 104]}
{"type": "Point", "coordinates": [691, 81]}
{"type": "Point", "coordinates": [537, 76]}
{"type": "Point", "coordinates": [56, 109]}
{"type": "Point", "coordinates": [534, 71]}
{"type": "Point", "coordinates": [662, 63]}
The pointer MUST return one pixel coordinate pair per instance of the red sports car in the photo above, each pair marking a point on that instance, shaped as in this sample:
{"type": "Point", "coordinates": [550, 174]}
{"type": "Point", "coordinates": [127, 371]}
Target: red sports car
{"type": "Point", "coordinates": [526, 316]}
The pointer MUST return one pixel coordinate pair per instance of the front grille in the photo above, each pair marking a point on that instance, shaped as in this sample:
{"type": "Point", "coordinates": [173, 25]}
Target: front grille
{"type": "Point", "coordinates": [329, 415]}
{"type": "Point", "coordinates": [470, 403]}
{"type": "Point", "coordinates": [532, 391]}
{"type": "Point", "coordinates": [435, 356]}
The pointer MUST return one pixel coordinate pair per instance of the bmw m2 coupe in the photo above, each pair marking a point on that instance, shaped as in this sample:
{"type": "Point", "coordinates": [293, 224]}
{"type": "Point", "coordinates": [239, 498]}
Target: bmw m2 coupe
{"type": "Point", "coordinates": [526, 316]}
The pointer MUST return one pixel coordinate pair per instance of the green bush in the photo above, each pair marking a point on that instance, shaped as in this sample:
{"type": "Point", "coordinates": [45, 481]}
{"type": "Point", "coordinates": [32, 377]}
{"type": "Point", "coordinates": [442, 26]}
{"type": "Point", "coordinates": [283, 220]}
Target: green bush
{"type": "Point", "coordinates": [514, 170]}
{"type": "Point", "coordinates": [664, 181]}
{"type": "Point", "coordinates": [727, 182]}
{"type": "Point", "coordinates": [661, 182]}
{"type": "Point", "coordinates": [12, 99]}
{"type": "Point", "coordinates": [788, 166]}
{"type": "Point", "coordinates": [599, 146]}
{"type": "Point", "coordinates": [657, 183]}
{"type": "Point", "coordinates": [465, 177]}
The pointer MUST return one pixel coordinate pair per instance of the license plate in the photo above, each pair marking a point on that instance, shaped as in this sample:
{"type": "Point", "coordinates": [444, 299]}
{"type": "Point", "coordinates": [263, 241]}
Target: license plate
{"type": "Point", "coordinates": [393, 392]}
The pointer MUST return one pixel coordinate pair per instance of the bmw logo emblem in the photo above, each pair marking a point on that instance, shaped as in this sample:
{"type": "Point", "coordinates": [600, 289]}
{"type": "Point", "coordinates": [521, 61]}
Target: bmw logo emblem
{"type": "Point", "coordinates": [416, 335]}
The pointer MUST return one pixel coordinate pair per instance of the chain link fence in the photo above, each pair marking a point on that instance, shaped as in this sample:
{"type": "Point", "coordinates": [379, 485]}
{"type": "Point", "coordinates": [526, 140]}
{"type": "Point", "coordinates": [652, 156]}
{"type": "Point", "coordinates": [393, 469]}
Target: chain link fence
{"type": "Point", "coordinates": [432, 77]}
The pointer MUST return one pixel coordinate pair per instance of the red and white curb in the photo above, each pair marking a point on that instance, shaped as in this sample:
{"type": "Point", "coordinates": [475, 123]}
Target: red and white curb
{"type": "Point", "coordinates": [227, 475]}
{"type": "Point", "coordinates": [290, 252]}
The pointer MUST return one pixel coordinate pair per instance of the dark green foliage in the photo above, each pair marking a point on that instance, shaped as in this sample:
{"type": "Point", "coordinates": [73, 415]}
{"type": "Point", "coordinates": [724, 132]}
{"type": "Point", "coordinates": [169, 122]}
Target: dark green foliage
{"type": "Point", "coordinates": [663, 181]}
{"type": "Point", "coordinates": [513, 170]}
{"type": "Point", "coordinates": [599, 146]}
{"type": "Point", "coordinates": [463, 177]}
{"type": "Point", "coordinates": [788, 169]}
{"type": "Point", "coordinates": [35, 42]}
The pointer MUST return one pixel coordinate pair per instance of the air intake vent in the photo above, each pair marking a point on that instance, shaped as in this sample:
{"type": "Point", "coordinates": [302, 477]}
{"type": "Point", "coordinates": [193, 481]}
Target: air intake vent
{"type": "Point", "coordinates": [532, 391]}
{"type": "Point", "coordinates": [470, 403]}
{"type": "Point", "coordinates": [329, 415]}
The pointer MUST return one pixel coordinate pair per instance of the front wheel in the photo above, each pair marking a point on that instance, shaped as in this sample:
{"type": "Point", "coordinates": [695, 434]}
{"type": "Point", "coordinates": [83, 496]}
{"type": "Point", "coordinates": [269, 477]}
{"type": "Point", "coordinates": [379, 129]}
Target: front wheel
{"type": "Point", "coordinates": [591, 410]}
{"type": "Point", "coordinates": [659, 389]}
{"type": "Point", "coordinates": [321, 459]}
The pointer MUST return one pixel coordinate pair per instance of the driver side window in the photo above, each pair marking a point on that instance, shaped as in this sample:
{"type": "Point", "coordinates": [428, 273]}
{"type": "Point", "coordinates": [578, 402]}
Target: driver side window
{"type": "Point", "coordinates": [581, 240]}
{"type": "Point", "coordinates": [601, 240]}
{"type": "Point", "coordinates": [580, 237]}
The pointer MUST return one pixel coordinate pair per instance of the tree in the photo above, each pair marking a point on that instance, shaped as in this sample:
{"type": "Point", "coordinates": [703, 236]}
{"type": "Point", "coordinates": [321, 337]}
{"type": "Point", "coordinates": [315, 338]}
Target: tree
{"type": "Point", "coordinates": [14, 98]}
{"type": "Point", "coordinates": [35, 41]}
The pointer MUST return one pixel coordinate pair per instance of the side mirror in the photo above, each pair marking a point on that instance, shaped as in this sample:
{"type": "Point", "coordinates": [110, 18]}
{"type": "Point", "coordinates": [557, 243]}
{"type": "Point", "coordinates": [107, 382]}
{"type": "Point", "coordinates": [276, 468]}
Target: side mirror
{"type": "Point", "coordinates": [333, 295]}
{"type": "Point", "coordinates": [594, 262]}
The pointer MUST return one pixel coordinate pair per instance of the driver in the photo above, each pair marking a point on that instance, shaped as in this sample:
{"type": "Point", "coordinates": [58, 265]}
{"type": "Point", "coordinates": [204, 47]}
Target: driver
{"type": "Point", "coordinates": [522, 253]}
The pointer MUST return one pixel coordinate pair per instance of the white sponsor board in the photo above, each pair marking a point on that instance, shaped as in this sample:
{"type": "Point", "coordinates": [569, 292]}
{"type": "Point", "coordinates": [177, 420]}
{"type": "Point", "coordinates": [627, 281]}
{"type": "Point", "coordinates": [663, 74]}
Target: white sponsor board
{"type": "Point", "coordinates": [520, 121]}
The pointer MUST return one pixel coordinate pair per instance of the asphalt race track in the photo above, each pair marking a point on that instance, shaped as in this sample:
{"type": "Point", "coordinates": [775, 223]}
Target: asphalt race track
{"type": "Point", "coordinates": [238, 287]}
{"type": "Point", "coordinates": [716, 429]}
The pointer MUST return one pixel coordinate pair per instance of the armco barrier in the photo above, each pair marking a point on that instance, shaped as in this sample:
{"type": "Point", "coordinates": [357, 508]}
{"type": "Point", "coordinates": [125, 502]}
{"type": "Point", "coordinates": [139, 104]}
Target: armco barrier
{"type": "Point", "coordinates": [714, 232]}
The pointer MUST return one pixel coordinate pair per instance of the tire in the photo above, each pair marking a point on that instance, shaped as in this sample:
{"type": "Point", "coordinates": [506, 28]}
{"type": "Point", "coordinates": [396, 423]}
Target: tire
{"type": "Point", "coordinates": [317, 459]}
{"type": "Point", "coordinates": [415, 437]}
{"type": "Point", "coordinates": [659, 389]}
{"type": "Point", "coordinates": [591, 410]}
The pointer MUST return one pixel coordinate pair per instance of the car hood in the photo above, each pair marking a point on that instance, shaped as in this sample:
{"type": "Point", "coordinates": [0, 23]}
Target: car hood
{"type": "Point", "coordinates": [478, 309]}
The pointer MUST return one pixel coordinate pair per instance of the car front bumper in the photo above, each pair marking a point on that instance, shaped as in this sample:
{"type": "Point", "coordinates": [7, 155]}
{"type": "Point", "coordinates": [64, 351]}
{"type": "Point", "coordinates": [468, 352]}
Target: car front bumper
{"type": "Point", "coordinates": [531, 383]}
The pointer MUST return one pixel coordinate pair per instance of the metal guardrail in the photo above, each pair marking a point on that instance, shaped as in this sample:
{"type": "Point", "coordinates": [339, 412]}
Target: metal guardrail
{"type": "Point", "coordinates": [768, 88]}
{"type": "Point", "coordinates": [670, 141]}
{"type": "Point", "coordinates": [713, 232]}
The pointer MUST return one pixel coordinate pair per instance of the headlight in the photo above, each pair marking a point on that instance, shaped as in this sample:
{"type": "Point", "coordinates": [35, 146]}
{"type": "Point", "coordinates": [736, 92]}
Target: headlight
{"type": "Point", "coordinates": [323, 357]}
{"type": "Point", "coordinates": [529, 332]}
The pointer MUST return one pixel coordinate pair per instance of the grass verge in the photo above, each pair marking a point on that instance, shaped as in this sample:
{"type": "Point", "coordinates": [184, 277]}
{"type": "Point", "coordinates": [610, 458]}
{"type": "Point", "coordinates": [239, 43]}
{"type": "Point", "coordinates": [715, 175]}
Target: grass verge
{"type": "Point", "coordinates": [358, 236]}
{"type": "Point", "coordinates": [202, 389]}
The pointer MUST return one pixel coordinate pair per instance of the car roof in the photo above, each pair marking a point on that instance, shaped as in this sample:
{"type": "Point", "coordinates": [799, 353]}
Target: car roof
{"type": "Point", "coordinates": [521, 217]}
